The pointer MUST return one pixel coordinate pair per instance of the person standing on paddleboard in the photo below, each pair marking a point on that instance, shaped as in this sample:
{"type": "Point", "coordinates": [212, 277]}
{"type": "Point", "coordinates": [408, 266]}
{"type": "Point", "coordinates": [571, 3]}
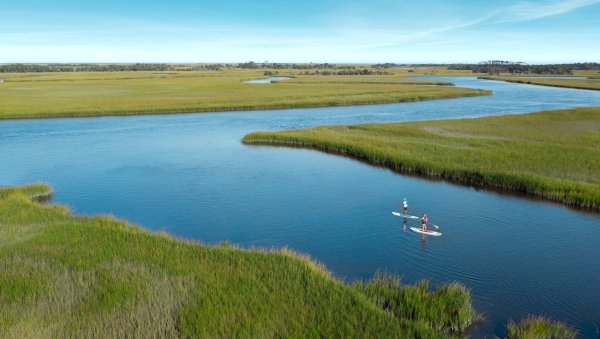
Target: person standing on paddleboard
{"type": "Point", "coordinates": [405, 204]}
{"type": "Point", "coordinates": [424, 222]}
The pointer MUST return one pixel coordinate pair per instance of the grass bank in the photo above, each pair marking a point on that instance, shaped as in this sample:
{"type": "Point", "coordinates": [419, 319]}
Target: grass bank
{"type": "Point", "coordinates": [447, 308]}
{"type": "Point", "coordinates": [539, 327]}
{"type": "Point", "coordinates": [551, 154]}
{"type": "Point", "coordinates": [33, 95]}
{"type": "Point", "coordinates": [593, 84]}
{"type": "Point", "coordinates": [78, 276]}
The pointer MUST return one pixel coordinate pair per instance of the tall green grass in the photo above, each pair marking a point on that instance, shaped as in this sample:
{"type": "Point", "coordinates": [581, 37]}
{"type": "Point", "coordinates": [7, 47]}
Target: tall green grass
{"type": "Point", "coordinates": [539, 328]}
{"type": "Point", "coordinates": [447, 308]}
{"type": "Point", "coordinates": [26, 95]}
{"type": "Point", "coordinates": [590, 83]}
{"type": "Point", "coordinates": [67, 276]}
{"type": "Point", "coordinates": [552, 154]}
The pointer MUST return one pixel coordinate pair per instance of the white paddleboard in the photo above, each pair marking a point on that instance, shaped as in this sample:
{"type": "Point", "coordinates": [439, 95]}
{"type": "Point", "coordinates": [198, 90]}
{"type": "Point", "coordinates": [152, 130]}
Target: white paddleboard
{"type": "Point", "coordinates": [407, 216]}
{"type": "Point", "coordinates": [427, 232]}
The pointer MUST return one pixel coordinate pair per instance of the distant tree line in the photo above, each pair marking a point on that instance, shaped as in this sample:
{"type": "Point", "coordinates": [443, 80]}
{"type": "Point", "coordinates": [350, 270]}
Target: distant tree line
{"type": "Point", "coordinates": [26, 68]}
{"type": "Point", "coordinates": [490, 67]}
{"type": "Point", "coordinates": [363, 71]}
{"type": "Point", "coordinates": [499, 66]}
{"type": "Point", "coordinates": [255, 65]}
{"type": "Point", "coordinates": [386, 65]}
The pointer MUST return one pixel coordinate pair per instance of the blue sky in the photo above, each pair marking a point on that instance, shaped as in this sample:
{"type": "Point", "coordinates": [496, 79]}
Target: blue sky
{"type": "Point", "coordinates": [426, 31]}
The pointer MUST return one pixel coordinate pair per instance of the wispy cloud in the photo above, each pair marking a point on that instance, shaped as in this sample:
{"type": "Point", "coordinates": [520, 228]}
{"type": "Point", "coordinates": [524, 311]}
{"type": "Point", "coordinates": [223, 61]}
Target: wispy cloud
{"type": "Point", "coordinates": [521, 11]}
{"type": "Point", "coordinates": [442, 29]}
{"type": "Point", "coordinates": [385, 38]}
{"type": "Point", "coordinates": [528, 10]}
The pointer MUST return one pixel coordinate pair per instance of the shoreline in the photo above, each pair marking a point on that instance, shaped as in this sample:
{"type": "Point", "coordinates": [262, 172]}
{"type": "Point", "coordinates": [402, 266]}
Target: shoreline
{"type": "Point", "coordinates": [527, 82]}
{"type": "Point", "coordinates": [419, 172]}
{"type": "Point", "coordinates": [546, 188]}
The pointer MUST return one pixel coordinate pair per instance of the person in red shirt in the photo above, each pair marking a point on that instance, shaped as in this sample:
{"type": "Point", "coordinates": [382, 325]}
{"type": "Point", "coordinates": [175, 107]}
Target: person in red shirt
{"type": "Point", "coordinates": [424, 222]}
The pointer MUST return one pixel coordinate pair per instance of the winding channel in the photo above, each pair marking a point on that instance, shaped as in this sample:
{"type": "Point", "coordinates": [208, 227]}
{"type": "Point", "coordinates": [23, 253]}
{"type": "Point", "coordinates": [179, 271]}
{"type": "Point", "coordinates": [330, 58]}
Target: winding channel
{"type": "Point", "coordinates": [190, 175]}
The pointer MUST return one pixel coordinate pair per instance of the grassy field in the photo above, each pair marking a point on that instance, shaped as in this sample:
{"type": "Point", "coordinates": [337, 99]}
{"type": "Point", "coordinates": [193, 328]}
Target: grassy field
{"type": "Point", "coordinates": [589, 73]}
{"type": "Point", "coordinates": [551, 154]}
{"type": "Point", "coordinates": [591, 83]}
{"type": "Point", "coordinates": [36, 95]}
{"type": "Point", "coordinates": [67, 276]}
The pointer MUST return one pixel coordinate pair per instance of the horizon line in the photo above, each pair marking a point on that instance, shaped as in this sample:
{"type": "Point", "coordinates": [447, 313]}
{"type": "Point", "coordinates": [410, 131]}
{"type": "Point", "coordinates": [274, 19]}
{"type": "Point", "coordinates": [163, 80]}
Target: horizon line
{"type": "Point", "coordinates": [287, 62]}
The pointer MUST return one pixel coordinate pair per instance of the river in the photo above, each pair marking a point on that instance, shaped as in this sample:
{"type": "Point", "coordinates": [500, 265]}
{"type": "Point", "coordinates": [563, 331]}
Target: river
{"type": "Point", "coordinates": [189, 174]}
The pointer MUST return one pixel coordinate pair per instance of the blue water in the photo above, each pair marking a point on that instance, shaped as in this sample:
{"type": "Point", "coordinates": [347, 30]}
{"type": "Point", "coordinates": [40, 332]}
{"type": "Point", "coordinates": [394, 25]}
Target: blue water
{"type": "Point", "coordinates": [546, 77]}
{"type": "Point", "coordinates": [191, 176]}
{"type": "Point", "coordinates": [266, 80]}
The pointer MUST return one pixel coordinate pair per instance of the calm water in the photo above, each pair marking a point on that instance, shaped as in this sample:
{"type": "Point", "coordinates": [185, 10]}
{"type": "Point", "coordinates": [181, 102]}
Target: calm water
{"type": "Point", "coordinates": [266, 80]}
{"type": "Point", "coordinates": [547, 77]}
{"type": "Point", "coordinates": [190, 175]}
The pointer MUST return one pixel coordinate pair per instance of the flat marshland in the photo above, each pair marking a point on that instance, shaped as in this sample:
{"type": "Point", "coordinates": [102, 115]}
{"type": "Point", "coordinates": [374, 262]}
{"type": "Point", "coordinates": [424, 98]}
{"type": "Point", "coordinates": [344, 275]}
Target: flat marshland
{"type": "Point", "coordinates": [550, 154]}
{"type": "Point", "coordinates": [590, 83]}
{"type": "Point", "coordinates": [42, 95]}
{"type": "Point", "coordinates": [77, 276]}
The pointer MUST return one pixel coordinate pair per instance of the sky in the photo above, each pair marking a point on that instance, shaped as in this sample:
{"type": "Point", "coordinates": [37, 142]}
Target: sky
{"type": "Point", "coordinates": [334, 31]}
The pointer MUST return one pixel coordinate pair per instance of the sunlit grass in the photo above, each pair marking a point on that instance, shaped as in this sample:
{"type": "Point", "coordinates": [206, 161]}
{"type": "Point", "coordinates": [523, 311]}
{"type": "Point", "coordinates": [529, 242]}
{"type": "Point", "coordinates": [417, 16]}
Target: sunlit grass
{"type": "Point", "coordinates": [552, 154]}
{"type": "Point", "coordinates": [539, 328]}
{"type": "Point", "coordinates": [447, 308]}
{"type": "Point", "coordinates": [30, 95]}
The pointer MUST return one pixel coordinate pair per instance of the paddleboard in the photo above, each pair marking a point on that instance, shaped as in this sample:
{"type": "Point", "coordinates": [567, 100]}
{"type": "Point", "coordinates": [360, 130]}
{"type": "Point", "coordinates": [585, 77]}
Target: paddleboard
{"type": "Point", "coordinates": [427, 232]}
{"type": "Point", "coordinates": [407, 216]}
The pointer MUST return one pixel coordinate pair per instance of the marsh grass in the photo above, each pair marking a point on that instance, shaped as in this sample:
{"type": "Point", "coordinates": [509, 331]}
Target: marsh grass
{"type": "Point", "coordinates": [71, 276]}
{"type": "Point", "coordinates": [553, 154]}
{"type": "Point", "coordinates": [539, 327]}
{"type": "Point", "coordinates": [25, 95]}
{"type": "Point", "coordinates": [590, 83]}
{"type": "Point", "coordinates": [447, 308]}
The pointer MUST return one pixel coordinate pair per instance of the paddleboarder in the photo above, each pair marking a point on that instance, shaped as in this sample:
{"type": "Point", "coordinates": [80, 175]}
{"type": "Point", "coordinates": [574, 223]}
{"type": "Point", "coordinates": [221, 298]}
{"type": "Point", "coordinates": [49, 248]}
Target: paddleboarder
{"type": "Point", "coordinates": [424, 222]}
{"type": "Point", "coordinates": [405, 205]}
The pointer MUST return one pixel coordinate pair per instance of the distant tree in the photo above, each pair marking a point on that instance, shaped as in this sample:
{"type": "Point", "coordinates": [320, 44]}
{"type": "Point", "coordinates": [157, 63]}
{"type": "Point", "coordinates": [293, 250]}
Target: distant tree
{"type": "Point", "coordinates": [249, 64]}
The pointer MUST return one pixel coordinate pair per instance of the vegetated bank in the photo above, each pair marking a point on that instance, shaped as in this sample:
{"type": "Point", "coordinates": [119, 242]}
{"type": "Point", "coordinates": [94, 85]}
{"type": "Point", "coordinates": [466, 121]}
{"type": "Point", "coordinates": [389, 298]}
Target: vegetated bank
{"type": "Point", "coordinates": [45, 95]}
{"type": "Point", "coordinates": [549, 154]}
{"type": "Point", "coordinates": [78, 276]}
{"type": "Point", "coordinates": [590, 83]}
{"type": "Point", "coordinates": [539, 327]}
